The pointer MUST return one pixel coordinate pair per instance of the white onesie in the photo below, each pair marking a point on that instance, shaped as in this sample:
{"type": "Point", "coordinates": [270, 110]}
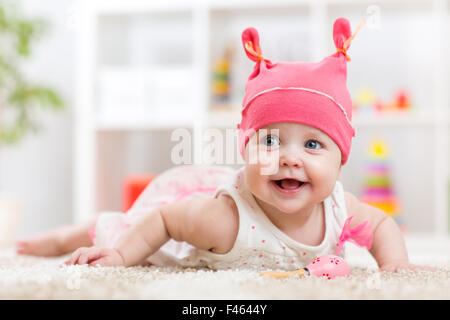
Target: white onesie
{"type": "Point", "coordinates": [259, 244]}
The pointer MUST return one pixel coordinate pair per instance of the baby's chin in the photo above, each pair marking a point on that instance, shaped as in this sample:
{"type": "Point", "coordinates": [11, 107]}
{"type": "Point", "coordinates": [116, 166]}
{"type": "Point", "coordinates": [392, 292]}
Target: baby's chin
{"type": "Point", "coordinates": [288, 209]}
{"type": "Point", "coordinates": [283, 206]}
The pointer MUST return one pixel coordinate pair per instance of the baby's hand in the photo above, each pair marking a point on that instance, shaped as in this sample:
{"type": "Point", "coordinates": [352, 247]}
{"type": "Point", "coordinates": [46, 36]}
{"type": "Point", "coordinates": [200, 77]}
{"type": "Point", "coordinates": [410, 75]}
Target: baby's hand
{"type": "Point", "coordinates": [395, 266]}
{"type": "Point", "coordinates": [96, 256]}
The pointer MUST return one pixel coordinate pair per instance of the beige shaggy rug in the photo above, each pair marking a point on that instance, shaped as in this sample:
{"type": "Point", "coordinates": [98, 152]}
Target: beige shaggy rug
{"type": "Point", "coordinates": [26, 277]}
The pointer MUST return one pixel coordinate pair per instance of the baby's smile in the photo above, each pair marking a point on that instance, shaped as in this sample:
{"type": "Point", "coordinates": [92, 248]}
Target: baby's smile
{"type": "Point", "coordinates": [288, 185]}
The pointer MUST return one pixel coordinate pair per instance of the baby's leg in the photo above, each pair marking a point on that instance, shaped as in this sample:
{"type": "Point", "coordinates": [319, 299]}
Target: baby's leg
{"type": "Point", "coordinates": [59, 241]}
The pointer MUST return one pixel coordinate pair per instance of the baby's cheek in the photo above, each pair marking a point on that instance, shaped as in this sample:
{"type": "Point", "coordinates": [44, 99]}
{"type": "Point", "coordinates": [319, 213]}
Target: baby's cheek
{"type": "Point", "coordinates": [254, 180]}
{"type": "Point", "coordinates": [324, 178]}
{"type": "Point", "coordinates": [250, 174]}
{"type": "Point", "coordinates": [269, 164]}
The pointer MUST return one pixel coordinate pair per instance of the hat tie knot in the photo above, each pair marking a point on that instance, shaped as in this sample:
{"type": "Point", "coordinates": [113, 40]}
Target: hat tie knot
{"type": "Point", "coordinates": [344, 51]}
{"type": "Point", "coordinates": [255, 53]}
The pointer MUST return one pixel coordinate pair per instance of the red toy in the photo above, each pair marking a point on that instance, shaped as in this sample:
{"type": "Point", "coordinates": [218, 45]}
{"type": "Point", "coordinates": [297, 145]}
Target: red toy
{"type": "Point", "coordinates": [132, 188]}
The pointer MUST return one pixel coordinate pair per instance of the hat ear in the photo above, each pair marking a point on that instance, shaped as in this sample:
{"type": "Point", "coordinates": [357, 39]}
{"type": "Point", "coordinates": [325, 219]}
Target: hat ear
{"type": "Point", "coordinates": [341, 32]}
{"type": "Point", "coordinates": [250, 40]}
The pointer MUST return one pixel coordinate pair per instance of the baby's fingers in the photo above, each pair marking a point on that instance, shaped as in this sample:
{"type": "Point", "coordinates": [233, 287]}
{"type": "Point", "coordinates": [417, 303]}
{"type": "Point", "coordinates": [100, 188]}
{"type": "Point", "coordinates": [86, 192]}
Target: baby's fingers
{"type": "Point", "coordinates": [102, 262]}
{"type": "Point", "coordinates": [74, 256]}
{"type": "Point", "coordinates": [90, 255]}
{"type": "Point", "coordinates": [110, 258]}
{"type": "Point", "coordinates": [82, 255]}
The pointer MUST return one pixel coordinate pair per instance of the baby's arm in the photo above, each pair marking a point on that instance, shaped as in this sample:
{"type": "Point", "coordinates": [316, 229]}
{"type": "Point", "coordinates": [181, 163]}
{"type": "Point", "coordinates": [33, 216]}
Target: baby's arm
{"type": "Point", "coordinates": [206, 223]}
{"type": "Point", "coordinates": [388, 246]}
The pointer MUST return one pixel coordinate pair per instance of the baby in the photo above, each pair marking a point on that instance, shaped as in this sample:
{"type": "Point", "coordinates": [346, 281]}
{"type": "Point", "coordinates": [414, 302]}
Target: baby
{"type": "Point", "coordinates": [281, 210]}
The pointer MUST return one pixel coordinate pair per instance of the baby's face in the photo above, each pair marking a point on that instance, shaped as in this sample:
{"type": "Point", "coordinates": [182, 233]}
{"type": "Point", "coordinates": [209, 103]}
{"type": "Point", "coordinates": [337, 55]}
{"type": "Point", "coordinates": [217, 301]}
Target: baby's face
{"type": "Point", "coordinates": [291, 150]}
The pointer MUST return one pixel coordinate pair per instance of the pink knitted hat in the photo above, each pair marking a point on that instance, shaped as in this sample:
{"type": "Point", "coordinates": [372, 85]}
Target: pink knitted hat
{"type": "Point", "coordinates": [311, 93]}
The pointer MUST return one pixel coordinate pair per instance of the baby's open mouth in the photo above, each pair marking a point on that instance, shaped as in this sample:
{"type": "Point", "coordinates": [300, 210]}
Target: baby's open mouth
{"type": "Point", "coordinates": [289, 184]}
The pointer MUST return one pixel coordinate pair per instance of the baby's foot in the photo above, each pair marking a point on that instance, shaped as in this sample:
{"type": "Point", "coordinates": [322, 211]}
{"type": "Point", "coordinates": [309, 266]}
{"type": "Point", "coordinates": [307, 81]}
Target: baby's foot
{"type": "Point", "coordinates": [46, 244]}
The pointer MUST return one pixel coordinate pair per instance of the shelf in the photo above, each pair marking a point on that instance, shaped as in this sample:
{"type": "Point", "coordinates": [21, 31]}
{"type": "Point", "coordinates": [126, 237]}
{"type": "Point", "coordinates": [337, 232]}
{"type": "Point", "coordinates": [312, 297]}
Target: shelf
{"type": "Point", "coordinates": [120, 7]}
{"type": "Point", "coordinates": [144, 34]}
{"type": "Point", "coordinates": [229, 119]}
{"type": "Point", "coordinates": [223, 119]}
{"type": "Point", "coordinates": [397, 5]}
{"type": "Point", "coordinates": [257, 4]}
{"type": "Point", "coordinates": [115, 7]}
{"type": "Point", "coordinates": [141, 6]}
{"type": "Point", "coordinates": [403, 120]}
{"type": "Point", "coordinates": [143, 123]}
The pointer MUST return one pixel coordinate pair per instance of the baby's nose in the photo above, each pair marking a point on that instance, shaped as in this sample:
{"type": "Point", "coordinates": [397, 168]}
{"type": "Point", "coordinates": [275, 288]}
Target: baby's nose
{"type": "Point", "coordinates": [291, 160]}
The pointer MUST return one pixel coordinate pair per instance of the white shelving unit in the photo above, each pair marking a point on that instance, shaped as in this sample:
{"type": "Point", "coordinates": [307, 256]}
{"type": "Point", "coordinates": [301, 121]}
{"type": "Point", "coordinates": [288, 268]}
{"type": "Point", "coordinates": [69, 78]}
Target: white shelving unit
{"type": "Point", "coordinates": [121, 42]}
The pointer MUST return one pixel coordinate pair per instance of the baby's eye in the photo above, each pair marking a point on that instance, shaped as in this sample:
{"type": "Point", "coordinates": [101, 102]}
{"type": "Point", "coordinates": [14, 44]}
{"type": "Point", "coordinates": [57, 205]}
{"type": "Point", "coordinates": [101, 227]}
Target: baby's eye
{"type": "Point", "coordinates": [313, 144]}
{"type": "Point", "coordinates": [270, 140]}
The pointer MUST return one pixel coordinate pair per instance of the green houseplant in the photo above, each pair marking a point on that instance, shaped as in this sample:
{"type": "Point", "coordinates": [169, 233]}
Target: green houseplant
{"type": "Point", "coordinates": [20, 99]}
